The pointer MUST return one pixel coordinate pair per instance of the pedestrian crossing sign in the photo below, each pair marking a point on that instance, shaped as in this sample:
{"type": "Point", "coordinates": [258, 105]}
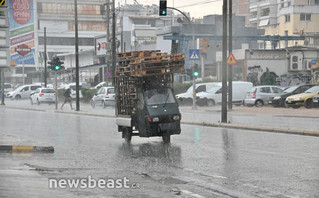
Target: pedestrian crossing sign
{"type": "Point", "coordinates": [194, 54]}
{"type": "Point", "coordinates": [231, 60]}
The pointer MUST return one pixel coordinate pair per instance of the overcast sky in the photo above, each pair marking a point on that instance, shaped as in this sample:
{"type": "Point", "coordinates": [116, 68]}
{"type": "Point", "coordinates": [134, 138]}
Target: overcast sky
{"type": "Point", "coordinates": [197, 8]}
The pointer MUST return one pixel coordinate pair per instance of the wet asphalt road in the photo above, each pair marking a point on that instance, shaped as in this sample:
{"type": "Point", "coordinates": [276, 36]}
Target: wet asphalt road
{"type": "Point", "coordinates": [294, 121]}
{"type": "Point", "coordinates": [201, 162]}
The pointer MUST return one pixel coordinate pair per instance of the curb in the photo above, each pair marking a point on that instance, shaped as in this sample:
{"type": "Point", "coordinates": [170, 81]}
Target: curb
{"type": "Point", "coordinates": [48, 149]}
{"type": "Point", "coordinates": [253, 128]}
{"type": "Point", "coordinates": [208, 124]}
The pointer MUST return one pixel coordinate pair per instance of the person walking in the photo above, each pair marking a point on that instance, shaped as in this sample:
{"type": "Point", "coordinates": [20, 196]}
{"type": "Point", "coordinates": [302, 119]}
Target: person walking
{"type": "Point", "coordinates": [67, 97]}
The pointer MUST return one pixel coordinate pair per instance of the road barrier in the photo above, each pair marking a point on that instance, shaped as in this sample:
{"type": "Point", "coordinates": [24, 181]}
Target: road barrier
{"type": "Point", "coordinates": [19, 148]}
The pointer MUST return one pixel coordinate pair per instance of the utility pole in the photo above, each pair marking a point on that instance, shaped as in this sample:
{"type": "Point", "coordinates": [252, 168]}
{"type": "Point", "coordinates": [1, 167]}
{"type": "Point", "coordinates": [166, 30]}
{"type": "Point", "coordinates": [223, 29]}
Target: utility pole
{"type": "Point", "coordinates": [77, 56]}
{"type": "Point", "coordinates": [107, 37]}
{"type": "Point", "coordinates": [113, 43]}
{"type": "Point", "coordinates": [224, 64]}
{"type": "Point", "coordinates": [45, 57]}
{"type": "Point", "coordinates": [230, 46]}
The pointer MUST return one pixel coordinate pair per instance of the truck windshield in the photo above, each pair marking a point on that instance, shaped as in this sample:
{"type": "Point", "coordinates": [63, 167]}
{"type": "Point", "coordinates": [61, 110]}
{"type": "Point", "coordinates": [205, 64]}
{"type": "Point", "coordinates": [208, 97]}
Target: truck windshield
{"type": "Point", "coordinates": [159, 96]}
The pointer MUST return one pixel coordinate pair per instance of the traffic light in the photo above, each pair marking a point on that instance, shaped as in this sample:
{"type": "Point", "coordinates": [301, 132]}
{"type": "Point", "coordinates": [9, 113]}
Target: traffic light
{"type": "Point", "coordinates": [195, 73]}
{"type": "Point", "coordinates": [163, 8]}
{"type": "Point", "coordinates": [56, 64]}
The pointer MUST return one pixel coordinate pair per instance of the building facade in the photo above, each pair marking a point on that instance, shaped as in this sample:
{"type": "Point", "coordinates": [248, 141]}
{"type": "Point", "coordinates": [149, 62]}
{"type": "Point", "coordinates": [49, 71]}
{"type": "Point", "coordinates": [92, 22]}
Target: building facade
{"type": "Point", "coordinates": [287, 18]}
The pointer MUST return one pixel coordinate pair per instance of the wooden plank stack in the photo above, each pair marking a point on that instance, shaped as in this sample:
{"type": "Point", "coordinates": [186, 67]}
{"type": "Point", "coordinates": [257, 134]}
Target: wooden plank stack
{"type": "Point", "coordinates": [143, 70]}
{"type": "Point", "coordinates": [149, 63]}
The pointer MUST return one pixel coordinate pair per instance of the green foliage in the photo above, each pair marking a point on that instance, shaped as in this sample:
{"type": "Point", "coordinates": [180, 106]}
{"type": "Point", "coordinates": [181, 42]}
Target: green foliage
{"type": "Point", "coordinates": [181, 87]}
{"type": "Point", "coordinates": [88, 94]}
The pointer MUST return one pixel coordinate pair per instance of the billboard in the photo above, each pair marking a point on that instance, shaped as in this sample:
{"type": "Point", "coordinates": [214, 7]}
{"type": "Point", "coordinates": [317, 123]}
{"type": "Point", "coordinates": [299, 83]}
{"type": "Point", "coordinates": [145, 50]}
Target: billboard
{"type": "Point", "coordinates": [21, 18]}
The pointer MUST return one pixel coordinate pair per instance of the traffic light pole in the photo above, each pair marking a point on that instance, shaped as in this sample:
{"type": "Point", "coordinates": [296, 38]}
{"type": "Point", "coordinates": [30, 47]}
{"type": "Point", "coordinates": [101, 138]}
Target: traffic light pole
{"type": "Point", "coordinates": [56, 88]}
{"type": "Point", "coordinates": [193, 36]}
{"type": "Point", "coordinates": [77, 57]}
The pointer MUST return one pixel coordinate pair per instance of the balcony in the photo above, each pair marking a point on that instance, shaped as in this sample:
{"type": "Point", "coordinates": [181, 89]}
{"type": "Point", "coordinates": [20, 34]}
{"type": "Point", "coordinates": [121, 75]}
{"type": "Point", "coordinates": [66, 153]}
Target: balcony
{"type": "Point", "coordinates": [253, 18]}
{"type": "Point", "coordinates": [264, 3]}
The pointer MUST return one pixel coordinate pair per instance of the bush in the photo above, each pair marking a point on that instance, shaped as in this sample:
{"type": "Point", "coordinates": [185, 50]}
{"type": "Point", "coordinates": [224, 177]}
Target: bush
{"type": "Point", "coordinates": [88, 94]}
{"type": "Point", "coordinates": [181, 87]}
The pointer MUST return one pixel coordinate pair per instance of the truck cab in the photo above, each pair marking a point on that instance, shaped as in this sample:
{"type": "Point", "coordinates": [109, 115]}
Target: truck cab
{"type": "Point", "coordinates": [157, 113]}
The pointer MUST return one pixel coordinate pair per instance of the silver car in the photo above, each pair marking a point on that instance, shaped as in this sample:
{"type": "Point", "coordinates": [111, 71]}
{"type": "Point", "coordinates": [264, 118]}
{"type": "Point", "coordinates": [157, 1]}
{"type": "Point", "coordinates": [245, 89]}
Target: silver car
{"type": "Point", "coordinates": [259, 95]}
{"type": "Point", "coordinates": [42, 95]}
{"type": "Point", "coordinates": [105, 96]}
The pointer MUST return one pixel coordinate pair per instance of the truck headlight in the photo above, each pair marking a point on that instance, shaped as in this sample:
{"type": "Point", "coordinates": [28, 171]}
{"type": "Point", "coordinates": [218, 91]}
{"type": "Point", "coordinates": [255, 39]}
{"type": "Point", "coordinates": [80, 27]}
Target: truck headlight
{"type": "Point", "coordinates": [176, 117]}
{"type": "Point", "coordinates": [155, 119]}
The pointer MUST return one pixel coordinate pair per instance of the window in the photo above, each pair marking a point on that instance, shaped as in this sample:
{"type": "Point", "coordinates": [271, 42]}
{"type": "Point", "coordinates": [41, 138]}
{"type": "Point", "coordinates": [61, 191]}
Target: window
{"type": "Point", "coordinates": [201, 88]}
{"type": "Point", "coordinates": [265, 90]}
{"type": "Point", "coordinates": [276, 90]}
{"type": "Point", "coordinates": [103, 91]}
{"type": "Point", "coordinates": [305, 17]}
{"type": "Point", "coordinates": [34, 87]}
{"type": "Point", "coordinates": [25, 89]}
{"type": "Point", "coordinates": [110, 90]}
{"type": "Point", "coordinates": [287, 18]}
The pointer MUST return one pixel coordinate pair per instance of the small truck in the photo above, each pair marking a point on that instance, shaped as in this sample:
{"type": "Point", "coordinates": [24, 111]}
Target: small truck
{"type": "Point", "coordinates": [145, 101]}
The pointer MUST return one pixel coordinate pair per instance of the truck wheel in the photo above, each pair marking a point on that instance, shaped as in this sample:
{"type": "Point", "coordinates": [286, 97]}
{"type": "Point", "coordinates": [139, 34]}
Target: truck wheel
{"type": "Point", "coordinates": [166, 138]}
{"type": "Point", "coordinates": [127, 134]}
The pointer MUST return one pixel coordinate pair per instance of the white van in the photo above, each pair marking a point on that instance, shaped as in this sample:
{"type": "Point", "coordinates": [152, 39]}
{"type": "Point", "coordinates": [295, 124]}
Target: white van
{"type": "Point", "coordinates": [24, 91]}
{"type": "Point", "coordinates": [187, 97]}
{"type": "Point", "coordinates": [214, 95]}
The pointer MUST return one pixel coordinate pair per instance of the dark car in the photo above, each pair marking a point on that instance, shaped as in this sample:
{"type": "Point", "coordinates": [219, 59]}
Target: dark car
{"type": "Point", "coordinates": [315, 101]}
{"type": "Point", "coordinates": [279, 99]}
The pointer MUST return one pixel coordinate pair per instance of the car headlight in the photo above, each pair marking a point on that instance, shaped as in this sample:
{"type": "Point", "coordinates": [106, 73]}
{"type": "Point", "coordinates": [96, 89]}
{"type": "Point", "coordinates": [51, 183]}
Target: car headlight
{"type": "Point", "coordinates": [277, 97]}
{"type": "Point", "coordinates": [176, 117]}
{"type": "Point", "coordinates": [296, 99]}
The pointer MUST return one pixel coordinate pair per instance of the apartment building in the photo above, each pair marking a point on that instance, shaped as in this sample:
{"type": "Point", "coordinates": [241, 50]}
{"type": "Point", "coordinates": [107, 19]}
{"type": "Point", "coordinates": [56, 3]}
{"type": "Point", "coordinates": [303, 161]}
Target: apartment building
{"type": "Point", "coordinates": [287, 18]}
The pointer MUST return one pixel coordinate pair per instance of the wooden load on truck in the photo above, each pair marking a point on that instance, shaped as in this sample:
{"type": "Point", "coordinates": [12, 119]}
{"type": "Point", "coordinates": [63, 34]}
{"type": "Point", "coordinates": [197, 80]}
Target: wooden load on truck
{"type": "Point", "coordinates": [138, 73]}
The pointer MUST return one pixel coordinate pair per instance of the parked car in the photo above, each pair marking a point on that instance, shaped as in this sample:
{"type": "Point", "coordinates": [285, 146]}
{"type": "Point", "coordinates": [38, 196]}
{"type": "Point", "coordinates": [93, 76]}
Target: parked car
{"type": "Point", "coordinates": [278, 100]}
{"type": "Point", "coordinates": [315, 101]}
{"type": "Point", "coordinates": [24, 91]}
{"type": "Point", "coordinates": [9, 94]}
{"type": "Point", "coordinates": [187, 97]}
{"type": "Point", "coordinates": [259, 95]}
{"type": "Point", "coordinates": [42, 95]}
{"type": "Point", "coordinates": [8, 87]}
{"type": "Point", "coordinates": [105, 96]}
{"type": "Point", "coordinates": [214, 95]}
{"type": "Point", "coordinates": [303, 99]}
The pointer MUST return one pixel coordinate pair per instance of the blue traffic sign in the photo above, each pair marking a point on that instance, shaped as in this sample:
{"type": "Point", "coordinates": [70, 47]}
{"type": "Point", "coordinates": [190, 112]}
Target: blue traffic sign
{"type": "Point", "coordinates": [314, 62]}
{"type": "Point", "coordinates": [194, 54]}
{"type": "Point", "coordinates": [108, 74]}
